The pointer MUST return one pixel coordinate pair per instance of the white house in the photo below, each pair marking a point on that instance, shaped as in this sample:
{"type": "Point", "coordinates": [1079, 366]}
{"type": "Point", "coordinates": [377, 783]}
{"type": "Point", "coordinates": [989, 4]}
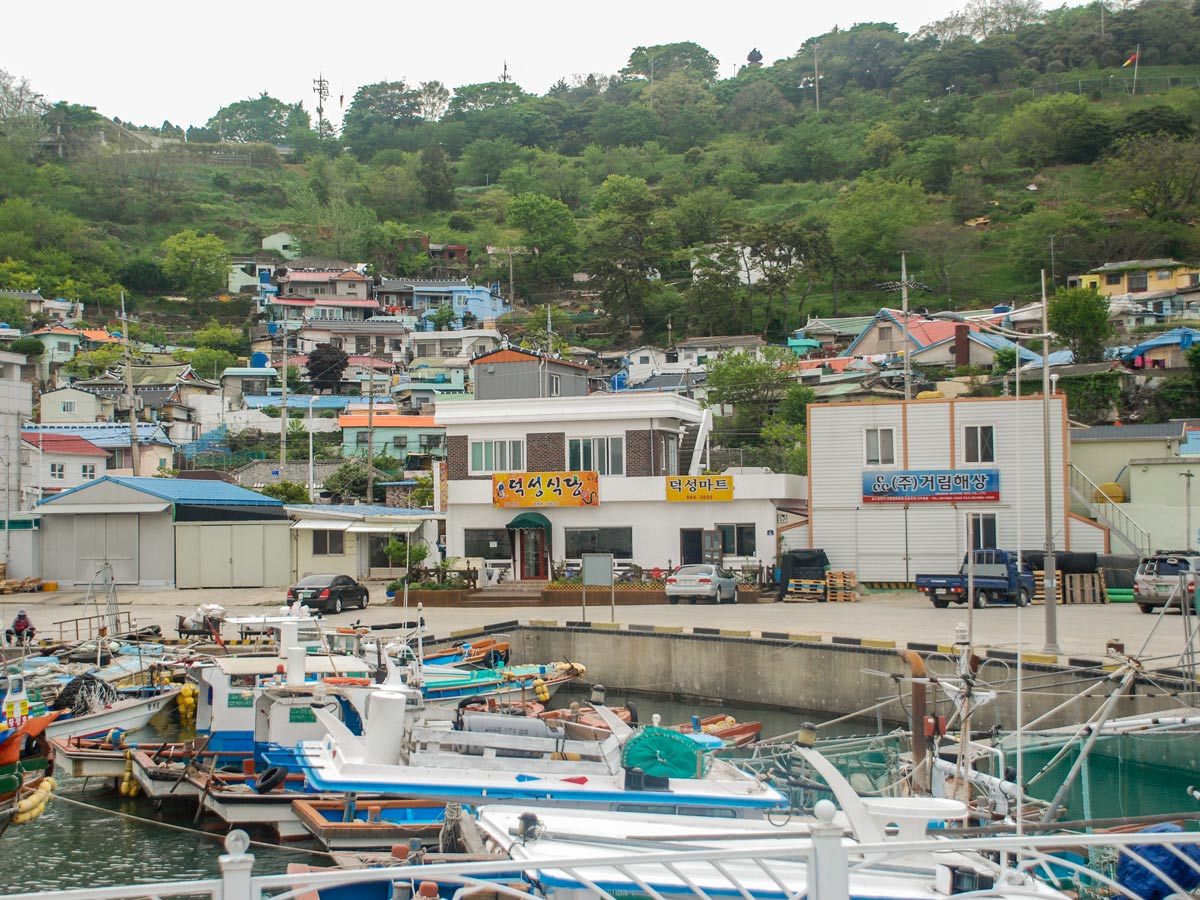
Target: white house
{"type": "Point", "coordinates": [51, 463]}
{"type": "Point", "coordinates": [532, 482]}
{"type": "Point", "coordinates": [893, 484]}
{"type": "Point", "coordinates": [71, 405]}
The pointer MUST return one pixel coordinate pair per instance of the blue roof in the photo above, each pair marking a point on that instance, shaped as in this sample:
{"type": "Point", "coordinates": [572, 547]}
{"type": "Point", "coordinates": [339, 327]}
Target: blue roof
{"type": "Point", "coordinates": [187, 491]}
{"type": "Point", "coordinates": [107, 434]}
{"type": "Point", "coordinates": [297, 401]}
{"type": "Point", "coordinates": [1176, 337]}
{"type": "Point", "coordinates": [364, 509]}
{"type": "Point", "coordinates": [992, 342]}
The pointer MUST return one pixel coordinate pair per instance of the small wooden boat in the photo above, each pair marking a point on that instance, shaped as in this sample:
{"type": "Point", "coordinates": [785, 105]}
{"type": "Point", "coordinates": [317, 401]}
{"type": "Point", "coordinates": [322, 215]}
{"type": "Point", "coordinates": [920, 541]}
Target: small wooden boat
{"type": "Point", "coordinates": [487, 652]}
{"type": "Point", "coordinates": [161, 770]}
{"type": "Point", "coordinates": [346, 824]}
{"type": "Point", "coordinates": [720, 730]}
{"type": "Point", "coordinates": [25, 768]}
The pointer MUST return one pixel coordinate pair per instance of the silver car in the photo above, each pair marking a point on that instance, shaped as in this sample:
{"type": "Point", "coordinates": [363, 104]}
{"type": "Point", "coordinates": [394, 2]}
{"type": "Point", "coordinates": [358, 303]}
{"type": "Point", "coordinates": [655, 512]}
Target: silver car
{"type": "Point", "coordinates": [702, 582]}
{"type": "Point", "coordinates": [1163, 578]}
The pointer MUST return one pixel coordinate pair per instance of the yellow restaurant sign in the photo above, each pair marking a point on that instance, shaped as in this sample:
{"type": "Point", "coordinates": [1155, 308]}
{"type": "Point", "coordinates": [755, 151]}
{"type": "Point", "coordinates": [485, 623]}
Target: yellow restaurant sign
{"type": "Point", "coordinates": [546, 489]}
{"type": "Point", "coordinates": [703, 488]}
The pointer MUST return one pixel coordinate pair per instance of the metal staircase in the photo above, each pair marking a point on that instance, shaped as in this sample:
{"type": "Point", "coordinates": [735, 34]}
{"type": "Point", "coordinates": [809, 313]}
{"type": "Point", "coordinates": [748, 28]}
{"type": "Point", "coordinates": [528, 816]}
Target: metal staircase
{"type": "Point", "coordinates": [693, 442]}
{"type": "Point", "coordinates": [1087, 499]}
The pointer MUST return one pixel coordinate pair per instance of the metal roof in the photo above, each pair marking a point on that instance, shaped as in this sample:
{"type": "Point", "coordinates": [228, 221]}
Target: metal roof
{"type": "Point", "coordinates": [1176, 337]}
{"type": "Point", "coordinates": [185, 491]}
{"type": "Point", "coordinates": [297, 401]}
{"type": "Point", "coordinates": [249, 372]}
{"type": "Point", "coordinates": [359, 511]}
{"type": "Point", "coordinates": [1142, 432]}
{"type": "Point", "coordinates": [107, 434]}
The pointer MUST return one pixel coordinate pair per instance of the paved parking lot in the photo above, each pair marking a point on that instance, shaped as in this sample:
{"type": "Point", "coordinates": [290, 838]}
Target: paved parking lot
{"type": "Point", "coordinates": [901, 616]}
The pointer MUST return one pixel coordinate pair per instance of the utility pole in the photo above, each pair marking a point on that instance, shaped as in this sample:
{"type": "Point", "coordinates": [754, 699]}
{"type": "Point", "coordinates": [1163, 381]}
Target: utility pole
{"type": "Point", "coordinates": [321, 89]}
{"type": "Point", "coordinates": [816, 78]}
{"type": "Point", "coordinates": [1187, 503]}
{"type": "Point", "coordinates": [371, 431]}
{"type": "Point", "coordinates": [512, 298]}
{"type": "Point", "coordinates": [130, 398]}
{"type": "Point", "coordinates": [904, 305]}
{"type": "Point", "coordinates": [1050, 565]}
{"type": "Point", "coordinates": [283, 407]}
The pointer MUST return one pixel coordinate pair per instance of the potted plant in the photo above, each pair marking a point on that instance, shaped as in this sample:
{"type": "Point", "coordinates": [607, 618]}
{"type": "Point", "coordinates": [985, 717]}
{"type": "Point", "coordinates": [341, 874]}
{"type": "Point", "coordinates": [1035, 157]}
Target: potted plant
{"type": "Point", "coordinates": [406, 554]}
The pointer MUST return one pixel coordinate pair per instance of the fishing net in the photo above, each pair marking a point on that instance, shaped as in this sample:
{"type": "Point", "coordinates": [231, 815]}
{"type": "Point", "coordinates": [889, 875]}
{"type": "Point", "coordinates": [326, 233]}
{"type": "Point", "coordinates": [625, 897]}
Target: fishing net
{"type": "Point", "coordinates": [85, 694]}
{"type": "Point", "coordinates": [662, 753]}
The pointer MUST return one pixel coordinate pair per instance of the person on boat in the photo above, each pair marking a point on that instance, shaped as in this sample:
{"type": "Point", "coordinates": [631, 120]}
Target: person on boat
{"type": "Point", "coordinates": [22, 629]}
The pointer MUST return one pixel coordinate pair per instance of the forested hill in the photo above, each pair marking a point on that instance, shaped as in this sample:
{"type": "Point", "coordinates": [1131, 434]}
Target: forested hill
{"type": "Point", "coordinates": [820, 169]}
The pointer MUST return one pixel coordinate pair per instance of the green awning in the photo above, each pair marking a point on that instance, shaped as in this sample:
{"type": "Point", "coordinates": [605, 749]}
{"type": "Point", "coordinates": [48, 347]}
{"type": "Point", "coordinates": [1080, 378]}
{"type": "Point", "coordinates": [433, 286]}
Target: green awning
{"type": "Point", "coordinates": [527, 521]}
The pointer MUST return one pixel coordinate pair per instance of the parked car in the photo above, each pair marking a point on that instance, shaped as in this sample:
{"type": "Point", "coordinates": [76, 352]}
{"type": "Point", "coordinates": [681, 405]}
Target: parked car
{"type": "Point", "coordinates": [1163, 578]}
{"type": "Point", "coordinates": [702, 582]}
{"type": "Point", "coordinates": [329, 593]}
{"type": "Point", "coordinates": [998, 576]}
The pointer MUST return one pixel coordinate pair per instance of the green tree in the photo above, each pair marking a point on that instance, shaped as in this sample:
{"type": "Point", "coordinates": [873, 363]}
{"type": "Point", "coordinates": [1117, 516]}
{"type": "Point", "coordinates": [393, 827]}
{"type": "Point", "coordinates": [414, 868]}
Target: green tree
{"type": "Point", "coordinates": [27, 346]}
{"type": "Point", "coordinates": [1079, 319]}
{"type": "Point", "coordinates": [436, 177]}
{"type": "Point", "coordinates": [489, 94]}
{"type": "Point", "coordinates": [1061, 128]}
{"type": "Point", "coordinates": [375, 115]}
{"type": "Point", "coordinates": [663, 60]}
{"type": "Point", "coordinates": [686, 110]}
{"type": "Point", "coordinates": [325, 366]}
{"type": "Point", "coordinates": [197, 265]}
{"type": "Point", "coordinates": [751, 387]}
{"type": "Point", "coordinates": [349, 482]}
{"type": "Point", "coordinates": [442, 317]}
{"type": "Point", "coordinates": [215, 336]}
{"type": "Point", "coordinates": [783, 255]}
{"type": "Point", "coordinates": [1160, 176]}
{"type": "Point", "coordinates": [210, 363]}
{"type": "Point", "coordinates": [793, 408]}
{"type": "Point", "coordinates": [868, 221]}
{"type": "Point", "coordinates": [93, 363]}
{"type": "Point", "coordinates": [550, 234]}
{"type": "Point", "coordinates": [262, 119]}
{"type": "Point", "coordinates": [287, 491]}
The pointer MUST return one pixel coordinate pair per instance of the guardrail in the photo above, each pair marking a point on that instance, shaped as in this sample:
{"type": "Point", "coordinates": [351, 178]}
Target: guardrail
{"type": "Point", "coordinates": [1109, 513]}
{"type": "Point", "coordinates": [89, 627]}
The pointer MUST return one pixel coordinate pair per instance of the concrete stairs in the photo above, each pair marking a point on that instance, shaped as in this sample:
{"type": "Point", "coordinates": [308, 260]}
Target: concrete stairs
{"type": "Point", "coordinates": [507, 593]}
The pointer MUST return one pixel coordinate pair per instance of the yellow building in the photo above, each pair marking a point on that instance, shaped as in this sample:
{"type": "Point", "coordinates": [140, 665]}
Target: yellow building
{"type": "Point", "coordinates": [1138, 276]}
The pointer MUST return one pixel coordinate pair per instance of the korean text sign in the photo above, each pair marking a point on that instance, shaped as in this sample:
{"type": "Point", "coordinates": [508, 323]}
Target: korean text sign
{"type": "Point", "coordinates": [546, 489]}
{"type": "Point", "coordinates": [932, 486]}
{"type": "Point", "coordinates": [684, 488]}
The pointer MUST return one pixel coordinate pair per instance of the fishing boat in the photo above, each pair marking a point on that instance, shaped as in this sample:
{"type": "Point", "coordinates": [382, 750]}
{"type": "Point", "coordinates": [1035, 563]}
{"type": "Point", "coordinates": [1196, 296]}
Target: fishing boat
{"type": "Point", "coordinates": [347, 824]}
{"type": "Point", "coordinates": [407, 753]}
{"type": "Point", "coordinates": [716, 732]}
{"type": "Point", "coordinates": [26, 765]}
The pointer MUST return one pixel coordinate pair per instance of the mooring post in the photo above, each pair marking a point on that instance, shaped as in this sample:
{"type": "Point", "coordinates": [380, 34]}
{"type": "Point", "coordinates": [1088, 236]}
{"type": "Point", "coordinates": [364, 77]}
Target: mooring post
{"type": "Point", "coordinates": [236, 864]}
{"type": "Point", "coordinates": [829, 877]}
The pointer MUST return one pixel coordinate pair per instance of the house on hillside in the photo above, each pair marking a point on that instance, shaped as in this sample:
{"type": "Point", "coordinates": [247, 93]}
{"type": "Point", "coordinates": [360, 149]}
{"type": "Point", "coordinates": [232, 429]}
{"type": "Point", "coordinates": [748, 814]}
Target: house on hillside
{"type": "Point", "coordinates": [63, 343]}
{"type": "Point", "coordinates": [58, 309]}
{"type": "Point", "coordinates": [1163, 351]}
{"type": "Point", "coordinates": [283, 243]}
{"type": "Point", "coordinates": [1139, 276]}
{"type": "Point", "coordinates": [697, 351]}
{"type": "Point", "coordinates": [403, 437]}
{"type": "Point", "coordinates": [51, 463]}
{"type": "Point", "coordinates": [473, 305]}
{"type": "Point", "coordinates": [965, 347]}
{"type": "Point", "coordinates": [72, 405]}
{"type": "Point", "coordinates": [516, 373]}
{"type": "Point", "coordinates": [381, 336]}
{"type": "Point", "coordinates": [237, 381]}
{"type": "Point", "coordinates": [156, 451]}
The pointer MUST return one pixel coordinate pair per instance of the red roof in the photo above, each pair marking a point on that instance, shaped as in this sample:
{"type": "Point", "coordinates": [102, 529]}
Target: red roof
{"type": "Point", "coordinates": [70, 444]}
{"type": "Point", "coordinates": [513, 354]}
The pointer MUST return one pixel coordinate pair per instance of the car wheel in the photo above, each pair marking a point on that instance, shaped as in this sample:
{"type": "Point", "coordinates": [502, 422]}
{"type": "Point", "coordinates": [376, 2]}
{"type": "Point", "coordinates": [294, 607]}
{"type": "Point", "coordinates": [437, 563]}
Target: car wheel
{"type": "Point", "coordinates": [1145, 608]}
{"type": "Point", "coordinates": [366, 598]}
{"type": "Point", "coordinates": [1023, 597]}
{"type": "Point", "coordinates": [981, 598]}
{"type": "Point", "coordinates": [673, 600]}
{"type": "Point", "coordinates": [337, 604]}
{"type": "Point", "coordinates": [939, 602]}
{"type": "Point", "coordinates": [693, 600]}
{"type": "Point", "coordinates": [735, 594]}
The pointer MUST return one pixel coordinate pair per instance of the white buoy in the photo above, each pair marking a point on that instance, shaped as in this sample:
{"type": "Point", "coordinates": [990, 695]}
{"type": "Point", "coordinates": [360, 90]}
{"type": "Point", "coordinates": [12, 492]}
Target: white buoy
{"type": "Point", "coordinates": [295, 666]}
{"type": "Point", "coordinates": [289, 636]}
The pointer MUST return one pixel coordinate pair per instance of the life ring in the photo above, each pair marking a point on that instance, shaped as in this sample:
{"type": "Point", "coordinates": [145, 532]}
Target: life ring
{"type": "Point", "coordinates": [270, 779]}
{"type": "Point", "coordinates": [346, 680]}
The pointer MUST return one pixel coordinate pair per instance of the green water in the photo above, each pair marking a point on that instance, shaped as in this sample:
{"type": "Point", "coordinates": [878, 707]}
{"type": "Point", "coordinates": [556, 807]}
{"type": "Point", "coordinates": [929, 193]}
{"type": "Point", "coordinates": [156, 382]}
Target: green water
{"type": "Point", "coordinates": [75, 847]}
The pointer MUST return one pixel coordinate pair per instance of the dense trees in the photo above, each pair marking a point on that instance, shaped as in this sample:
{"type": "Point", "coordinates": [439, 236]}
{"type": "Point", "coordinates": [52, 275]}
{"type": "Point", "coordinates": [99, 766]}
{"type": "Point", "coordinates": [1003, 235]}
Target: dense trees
{"type": "Point", "coordinates": [325, 366]}
{"type": "Point", "coordinates": [1079, 318]}
{"type": "Point", "coordinates": [197, 265]}
{"type": "Point", "coordinates": [261, 119]}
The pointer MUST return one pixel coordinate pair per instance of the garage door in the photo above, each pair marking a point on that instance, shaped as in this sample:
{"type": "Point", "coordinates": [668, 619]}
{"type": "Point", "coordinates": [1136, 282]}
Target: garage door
{"type": "Point", "coordinates": [235, 555]}
{"type": "Point", "coordinates": [111, 538]}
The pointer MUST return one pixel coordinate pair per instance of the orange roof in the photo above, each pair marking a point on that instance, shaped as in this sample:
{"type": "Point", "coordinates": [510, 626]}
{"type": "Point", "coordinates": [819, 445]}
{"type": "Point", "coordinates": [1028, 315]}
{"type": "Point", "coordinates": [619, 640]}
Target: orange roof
{"type": "Point", "coordinates": [386, 420]}
{"type": "Point", "coordinates": [509, 354]}
{"type": "Point", "coordinates": [836, 363]}
{"type": "Point", "coordinates": [99, 335]}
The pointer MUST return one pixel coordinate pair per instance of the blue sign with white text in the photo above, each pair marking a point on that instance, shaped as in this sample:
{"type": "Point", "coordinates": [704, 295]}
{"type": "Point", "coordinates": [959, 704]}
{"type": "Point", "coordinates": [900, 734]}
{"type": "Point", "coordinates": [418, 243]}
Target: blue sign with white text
{"type": "Point", "coordinates": [931, 486]}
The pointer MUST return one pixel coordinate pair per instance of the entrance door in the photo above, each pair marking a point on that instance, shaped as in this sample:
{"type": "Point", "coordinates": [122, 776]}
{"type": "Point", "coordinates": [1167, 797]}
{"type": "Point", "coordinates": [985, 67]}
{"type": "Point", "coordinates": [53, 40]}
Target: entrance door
{"type": "Point", "coordinates": [691, 546]}
{"type": "Point", "coordinates": [532, 553]}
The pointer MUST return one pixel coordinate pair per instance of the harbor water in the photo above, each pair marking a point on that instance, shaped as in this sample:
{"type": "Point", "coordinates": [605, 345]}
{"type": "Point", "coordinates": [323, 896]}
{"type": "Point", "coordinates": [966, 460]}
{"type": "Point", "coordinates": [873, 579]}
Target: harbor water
{"type": "Point", "coordinates": [117, 840]}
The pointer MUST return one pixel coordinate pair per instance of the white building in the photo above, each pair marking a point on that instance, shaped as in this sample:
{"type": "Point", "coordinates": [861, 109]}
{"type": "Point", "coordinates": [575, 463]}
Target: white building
{"type": "Point", "coordinates": [16, 404]}
{"type": "Point", "coordinates": [892, 483]}
{"type": "Point", "coordinates": [51, 463]}
{"type": "Point", "coordinates": [535, 482]}
{"type": "Point", "coordinates": [70, 405]}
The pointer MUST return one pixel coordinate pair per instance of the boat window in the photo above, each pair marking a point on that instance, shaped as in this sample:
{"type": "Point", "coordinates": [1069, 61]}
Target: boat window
{"type": "Point", "coordinates": [711, 812]}
{"type": "Point", "coordinates": [241, 681]}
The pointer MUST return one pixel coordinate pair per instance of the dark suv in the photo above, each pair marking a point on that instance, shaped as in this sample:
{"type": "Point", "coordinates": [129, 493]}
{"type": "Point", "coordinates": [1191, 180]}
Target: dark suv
{"type": "Point", "coordinates": [1165, 577]}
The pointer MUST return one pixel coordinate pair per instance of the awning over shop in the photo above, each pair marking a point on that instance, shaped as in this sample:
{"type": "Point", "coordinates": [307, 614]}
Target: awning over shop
{"type": "Point", "coordinates": [383, 528]}
{"type": "Point", "coordinates": [529, 521]}
{"type": "Point", "coordinates": [321, 525]}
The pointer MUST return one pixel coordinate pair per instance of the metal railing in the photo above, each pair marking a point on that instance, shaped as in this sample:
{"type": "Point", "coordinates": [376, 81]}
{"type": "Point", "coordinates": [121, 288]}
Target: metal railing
{"type": "Point", "coordinates": [1109, 513]}
{"type": "Point", "coordinates": [88, 627]}
{"type": "Point", "coordinates": [819, 866]}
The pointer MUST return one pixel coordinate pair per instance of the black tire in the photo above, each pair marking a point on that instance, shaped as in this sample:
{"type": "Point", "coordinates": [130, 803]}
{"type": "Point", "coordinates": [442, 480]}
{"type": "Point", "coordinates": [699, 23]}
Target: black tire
{"type": "Point", "coordinates": [981, 599]}
{"type": "Point", "coordinates": [692, 600]}
{"type": "Point", "coordinates": [366, 598]}
{"type": "Point", "coordinates": [1145, 608]}
{"type": "Point", "coordinates": [734, 599]}
{"type": "Point", "coordinates": [270, 779]}
{"type": "Point", "coordinates": [337, 604]}
{"type": "Point", "coordinates": [1023, 598]}
{"type": "Point", "coordinates": [673, 600]}
{"type": "Point", "coordinates": [939, 602]}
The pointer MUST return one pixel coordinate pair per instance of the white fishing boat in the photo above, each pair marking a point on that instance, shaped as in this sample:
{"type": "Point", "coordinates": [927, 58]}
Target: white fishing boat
{"type": "Point", "coordinates": [125, 714]}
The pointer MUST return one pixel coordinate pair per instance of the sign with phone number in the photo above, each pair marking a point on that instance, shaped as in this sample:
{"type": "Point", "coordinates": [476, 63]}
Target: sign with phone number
{"type": "Point", "coordinates": [932, 486]}
{"type": "Point", "coordinates": [699, 488]}
{"type": "Point", "coordinates": [518, 489]}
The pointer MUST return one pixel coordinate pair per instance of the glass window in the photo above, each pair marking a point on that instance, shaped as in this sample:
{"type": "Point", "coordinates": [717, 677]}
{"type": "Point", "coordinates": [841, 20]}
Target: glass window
{"type": "Point", "coordinates": [360, 437]}
{"type": "Point", "coordinates": [737, 540]}
{"type": "Point", "coordinates": [58, 470]}
{"type": "Point", "coordinates": [400, 442]}
{"type": "Point", "coordinates": [68, 406]}
{"type": "Point", "coordinates": [885, 332]}
{"type": "Point", "coordinates": [1112, 278]}
{"type": "Point", "coordinates": [328, 543]}
{"type": "Point", "coordinates": [880, 447]}
{"type": "Point", "coordinates": [88, 471]}
{"type": "Point", "coordinates": [605, 455]}
{"type": "Point", "coordinates": [488, 543]}
{"type": "Point", "coordinates": [617, 541]}
{"type": "Point", "coordinates": [983, 531]}
{"type": "Point", "coordinates": [497, 456]}
{"type": "Point", "coordinates": [980, 443]}
{"type": "Point", "coordinates": [555, 385]}
{"type": "Point", "coordinates": [1137, 282]}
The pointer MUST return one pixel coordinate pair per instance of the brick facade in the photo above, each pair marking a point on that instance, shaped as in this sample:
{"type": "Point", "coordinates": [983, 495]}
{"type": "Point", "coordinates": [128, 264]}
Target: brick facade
{"type": "Point", "coordinates": [638, 454]}
{"type": "Point", "coordinates": [458, 456]}
{"type": "Point", "coordinates": [546, 452]}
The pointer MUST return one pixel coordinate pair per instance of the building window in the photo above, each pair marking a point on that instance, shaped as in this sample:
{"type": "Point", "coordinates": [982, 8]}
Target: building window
{"type": "Point", "coordinates": [983, 531]}
{"type": "Point", "coordinates": [885, 333]}
{"type": "Point", "coordinates": [487, 543]}
{"type": "Point", "coordinates": [328, 543]}
{"type": "Point", "coordinates": [555, 385]}
{"type": "Point", "coordinates": [617, 541]}
{"type": "Point", "coordinates": [737, 540]}
{"type": "Point", "coordinates": [432, 441]}
{"type": "Point", "coordinates": [670, 463]}
{"type": "Point", "coordinates": [1162, 274]}
{"type": "Point", "coordinates": [644, 360]}
{"type": "Point", "coordinates": [360, 438]}
{"type": "Point", "coordinates": [62, 346]}
{"type": "Point", "coordinates": [1138, 282]}
{"type": "Point", "coordinates": [396, 345]}
{"type": "Point", "coordinates": [497, 456]}
{"type": "Point", "coordinates": [880, 447]}
{"type": "Point", "coordinates": [605, 455]}
{"type": "Point", "coordinates": [980, 443]}
{"type": "Point", "coordinates": [400, 442]}
{"type": "Point", "coordinates": [88, 471]}
{"type": "Point", "coordinates": [58, 470]}
{"type": "Point", "coordinates": [336, 342]}
{"type": "Point", "coordinates": [1112, 278]}
{"type": "Point", "coordinates": [68, 406]}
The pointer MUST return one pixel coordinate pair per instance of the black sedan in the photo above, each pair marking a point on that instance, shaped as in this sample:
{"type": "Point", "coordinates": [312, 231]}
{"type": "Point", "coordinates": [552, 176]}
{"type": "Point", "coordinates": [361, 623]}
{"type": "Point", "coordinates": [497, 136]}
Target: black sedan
{"type": "Point", "coordinates": [329, 593]}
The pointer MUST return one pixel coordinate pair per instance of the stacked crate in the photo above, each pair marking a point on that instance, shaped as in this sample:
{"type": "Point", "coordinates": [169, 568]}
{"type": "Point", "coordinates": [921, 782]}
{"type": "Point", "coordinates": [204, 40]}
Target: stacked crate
{"type": "Point", "coordinates": [1075, 588]}
{"type": "Point", "coordinates": [841, 587]}
{"type": "Point", "coordinates": [805, 590]}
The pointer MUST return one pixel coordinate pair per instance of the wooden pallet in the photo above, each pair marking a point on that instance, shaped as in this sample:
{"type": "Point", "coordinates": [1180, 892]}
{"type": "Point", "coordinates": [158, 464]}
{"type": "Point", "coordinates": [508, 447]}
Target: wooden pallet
{"type": "Point", "coordinates": [841, 587]}
{"type": "Point", "coordinates": [1085, 588]}
{"type": "Point", "coordinates": [805, 590]}
{"type": "Point", "coordinates": [20, 585]}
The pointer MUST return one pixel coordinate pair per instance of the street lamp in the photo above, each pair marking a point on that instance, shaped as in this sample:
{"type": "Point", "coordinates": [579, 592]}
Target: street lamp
{"type": "Point", "coordinates": [1050, 567]}
{"type": "Point", "coordinates": [312, 481]}
{"type": "Point", "coordinates": [1187, 503]}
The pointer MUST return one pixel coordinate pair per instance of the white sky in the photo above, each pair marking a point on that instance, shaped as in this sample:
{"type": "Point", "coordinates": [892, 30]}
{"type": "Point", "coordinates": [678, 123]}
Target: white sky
{"type": "Point", "coordinates": [144, 61]}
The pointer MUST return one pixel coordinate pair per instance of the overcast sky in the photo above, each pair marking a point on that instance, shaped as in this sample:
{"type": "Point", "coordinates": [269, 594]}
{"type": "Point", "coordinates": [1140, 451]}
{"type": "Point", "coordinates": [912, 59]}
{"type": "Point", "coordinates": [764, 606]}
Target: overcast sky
{"type": "Point", "coordinates": [144, 61]}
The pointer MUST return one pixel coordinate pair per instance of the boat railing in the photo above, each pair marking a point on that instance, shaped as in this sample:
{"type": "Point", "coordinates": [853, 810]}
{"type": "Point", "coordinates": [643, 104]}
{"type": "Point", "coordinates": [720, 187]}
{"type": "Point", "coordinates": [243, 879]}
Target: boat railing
{"type": "Point", "coordinates": [821, 867]}
{"type": "Point", "coordinates": [87, 628]}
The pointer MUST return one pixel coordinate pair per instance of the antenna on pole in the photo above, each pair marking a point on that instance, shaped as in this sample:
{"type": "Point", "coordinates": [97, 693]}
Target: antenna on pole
{"type": "Point", "coordinates": [505, 78]}
{"type": "Point", "coordinates": [321, 89]}
{"type": "Point", "coordinates": [130, 398]}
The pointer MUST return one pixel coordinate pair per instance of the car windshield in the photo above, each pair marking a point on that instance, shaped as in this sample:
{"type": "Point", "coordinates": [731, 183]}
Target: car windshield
{"type": "Point", "coordinates": [694, 571]}
{"type": "Point", "coordinates": [315, 581]}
